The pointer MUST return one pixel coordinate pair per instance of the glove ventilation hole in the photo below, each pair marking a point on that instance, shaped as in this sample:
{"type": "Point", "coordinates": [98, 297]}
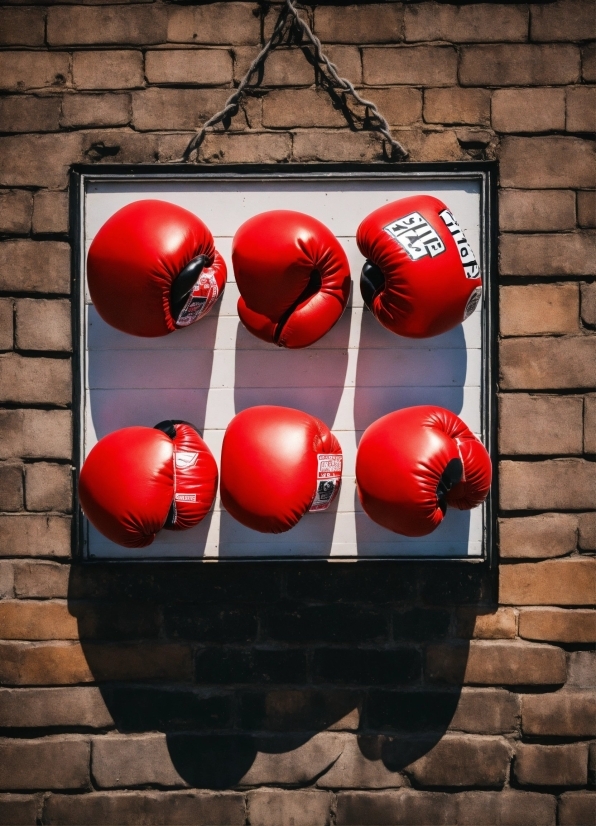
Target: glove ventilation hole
{"type": "Point", "coordinates": [314, 285]}
{"type": "Point", "coordinates": [449, 478]}
{"type": "Point", "coordinates": [184, 283]}
{"type": "Point", "coordinates": [371, 281]}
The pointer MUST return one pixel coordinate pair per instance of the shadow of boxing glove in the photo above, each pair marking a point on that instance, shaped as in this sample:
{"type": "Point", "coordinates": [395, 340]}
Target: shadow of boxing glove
{"type": "Point", "coordinates": [420, 278]}
{"type": "Point", "coordinates": [277, 464]}
{"type": "Point", "coordinates": [293, 276]}
{"type": "Point", "coordinates": [139, 480]}
{"type": "Point", "coordinates": [153, 268]}
{"type": "Point", "coordinates": [413, 463]}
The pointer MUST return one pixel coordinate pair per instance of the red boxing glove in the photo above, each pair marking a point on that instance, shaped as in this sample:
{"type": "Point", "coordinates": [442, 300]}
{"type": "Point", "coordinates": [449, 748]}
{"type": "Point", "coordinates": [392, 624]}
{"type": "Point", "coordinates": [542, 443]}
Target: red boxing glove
{"type": "Point", "coordinates": [414, 462]}
{"type": "Point", "coordinates": [277, 463]}
{"type": "Point", "coordinates": [293, 277]}
{"type": "Point", "coordinates": [153, 268]}
{"type": "Point", "coordinates": [420, 278]}
{"type": "Point", "coordinates": [139, 480]}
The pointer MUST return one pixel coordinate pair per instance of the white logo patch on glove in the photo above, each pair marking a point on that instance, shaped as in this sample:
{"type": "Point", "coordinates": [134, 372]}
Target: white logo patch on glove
{"type": "Point", "coordinates": [416, 236]}
{"type": "Point", "coordinates": [471, 268]}
{"type": "Point", "coordinates": [329, 470]}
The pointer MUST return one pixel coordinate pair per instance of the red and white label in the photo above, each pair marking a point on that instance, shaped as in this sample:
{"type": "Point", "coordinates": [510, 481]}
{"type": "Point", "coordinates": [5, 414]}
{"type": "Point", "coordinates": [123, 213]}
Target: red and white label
{"type": "Point", "coordinates": [202, 298]}
{"type": "Point", "coordinates": [185, 497]}
{"type": "Point", "coordinates": [329, 469]}
{"type": "Point", "coordinates": [471, 268]}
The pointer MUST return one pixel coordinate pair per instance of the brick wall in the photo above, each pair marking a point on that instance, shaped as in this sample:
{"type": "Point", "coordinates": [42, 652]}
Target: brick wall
{"type": "Point", "coordinates": [351, 694]}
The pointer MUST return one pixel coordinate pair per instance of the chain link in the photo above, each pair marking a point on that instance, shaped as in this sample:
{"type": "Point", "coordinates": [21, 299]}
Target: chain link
{"type": "Point", "coordinates": [333, 82]}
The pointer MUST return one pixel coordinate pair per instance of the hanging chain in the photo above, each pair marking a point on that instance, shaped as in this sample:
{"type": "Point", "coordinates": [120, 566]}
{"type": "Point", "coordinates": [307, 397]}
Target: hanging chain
{"type": "Point", "coordinates": [375, 121]}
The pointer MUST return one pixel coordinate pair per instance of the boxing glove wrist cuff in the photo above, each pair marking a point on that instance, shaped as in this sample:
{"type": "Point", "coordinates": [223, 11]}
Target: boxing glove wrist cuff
{"type": "Point", "coordinates": [329, 470]}
{"type": "Point", "coordinates": [193, 292]}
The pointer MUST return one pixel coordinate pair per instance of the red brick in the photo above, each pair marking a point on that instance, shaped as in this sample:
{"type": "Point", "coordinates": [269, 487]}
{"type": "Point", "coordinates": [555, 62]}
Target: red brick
{"type": "Point", "coordinates": [32, 620]}
{"type": "Point", "coordinates": [360, 24]}
{"type": "Point", "coordinates": [185, 808]}
{"type": "Point", "coordinates": [500, 663]}
{"type": "Point", "coordinates": [562, 714]}
{"type": "Point", "coordinates": [536, 210]}
{"type": "Point", "coordinates": [95, 110]}
{"type": "Point", "coordinates": [22, 27]}
{"type": "Point", "coordinates": [410, 66]}
{"type": "Point", "coordinates": [587, 531]}
{"type": "Point", "coordinates": [387, 808]}
{"type": "Point", "coordinates": [528, 110]}
{"type": "Point", "coordinates": [270, 807]}
{"type": "Point", "coordinates": [486, 711]}
{"type": "Point", "coordinates": [519, 65]}
{"type": "Point", "coordinates": [555, 582]}
{"type": "Point", "coordinates": [30, 114]}
{"type": "Point", "coordinates": [540, 425]}
{"type": "Point", "coordinates": [586, 208]}
{"type": "Point", "coordinates": [11, 487]}
{"type": "Point", "coordinates": [6, 324]}
{"type": "Point", "coordinates": [588, 304]}
{"type": "Point", "coordinates": [20, 71]}
{"type": "Point", "coordinates": [463, 761]}
{"type": "Point", "coordinates": [551, 765]}
{"type": "Point", "coordinates": [214, 24]}
{"type": "Point", "coordinates": [35, 266]}
{"type": "Point", "coordinates": [581, 109]}
{"type": "Point", "coordinates": [40, 579]}
{"type": "Point", "coordinates": [130, 24]}
{"type": "Point", "coordinates": [485, 624]}
{"type": "Point", "coordinates": [50, 212]}
{"type": "Point", "coordinates": [577, 809]}
{"type": "Point", "coordinates": [53, 707]}
{"type": "Point", "coordinates": [48, 487]}
{"type": "Point", "coordinates": [175, 108]}
{"type": "Point", "coordinates": [36, 434]}
{"type": "Point", "coordinates": [49, 763]}
{"type": "Point", "coordinates": [582, 669]}
{"type": "Point", "coordinates": [539, 309]}
{"type": "Point", "coordinates": [35, 380]}
{"type": "Point", "coordinates": [43, 324]}
{"type": "Point", "coordinates": [15, 211]}
{"type": "Point", "coordinates": [556, 625]}
{"type": "Point", "coordinates": [35, 535]}
{"type": "Point", "coordinates": [589, 62]}
{"type": "Point", "coordinates": [482, 22]}
{"type": "Point", "coordinates": [548, 163]}
{"type": "Point", "coordinates": [547, 363]}
{"type": "Point", "coordinates": [564, 20]}
{"type": "Point", "coordinates": [108, 70]}
{"type": "Point", "coordinates": [200, 67]}
{"type": "Point", "coordinates": [557, 254]}
{"type": "Point", "coordinates": [6, 579]}
{"type": "Point", "coordinates": [457, 105]}
{"type": "Point", "coordinates": [513, 808]}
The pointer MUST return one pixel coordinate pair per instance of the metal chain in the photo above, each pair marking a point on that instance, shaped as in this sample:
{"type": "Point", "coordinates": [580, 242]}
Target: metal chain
{"type": "Point", "coordinates": [375, 121]}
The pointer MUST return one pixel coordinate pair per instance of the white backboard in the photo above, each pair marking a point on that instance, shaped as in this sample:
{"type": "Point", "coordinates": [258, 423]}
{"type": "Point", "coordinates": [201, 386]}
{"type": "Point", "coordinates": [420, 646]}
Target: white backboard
{"type": "Point", "coordinates": [207, 373]}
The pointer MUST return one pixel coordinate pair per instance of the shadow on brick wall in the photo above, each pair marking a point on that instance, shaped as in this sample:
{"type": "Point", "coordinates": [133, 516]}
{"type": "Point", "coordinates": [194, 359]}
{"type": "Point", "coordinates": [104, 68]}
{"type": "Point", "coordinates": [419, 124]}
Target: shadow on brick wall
{"type": "Point", "coordinates": [265, 673]}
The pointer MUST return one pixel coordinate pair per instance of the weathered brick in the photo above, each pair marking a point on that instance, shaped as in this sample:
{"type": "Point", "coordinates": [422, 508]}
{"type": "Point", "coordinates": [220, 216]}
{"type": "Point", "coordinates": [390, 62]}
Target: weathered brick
{"type": "Point", "coordinates": [288, 67]}
{"type": "Point", "coordinates": [20, 809]}
{"type": "Point", "coordinates": [6, 579]}
{"type": "Point", "coordinates": [486, 711]}
{"type": "Point", "coordinates": [581, 109]}
{"type": "Point", "coordinates": [564, 20]}
{"type": "Point", "coordinates": [300, 107]}
{"type": "Point", "coordinates": [410, 66]}
{"type": "Point", "coordinates": [540, 424]}
{"type": "Point", "coordinates": [348, 61]}
{"type": "Point", "coordinates": [588, 304]}
{"type": "Point", "coordinates": [11, 487]}
{"type": "Point", "coordinates": [57, 762]}
{"type": "Point", "coordinates": [270, 807]}
{"type": "Point", "coordinates": [482, 22]}
{"type": "Point", "coordinates": [360, 24]}
{"type": "Point", "coordinates": [50, 212]}
{"type": "Point", "coordinates": [43, 324]}
{"type": "Point", "coordinates": [130, 24]}
{"type": "Point", "coordinates": [36, 434]}
{"type": "Point", "coordinates": [539, 309]}
{"type": "Point", "coordinates": [557, 484]}
{"type": "Point", "coordinates": [427, 145]}
{"type": "Point", "coordinates": [299, 709]}
{"type": "Point", "coordinates": [547, 162]}
{"type": "Point", "coordinates": [361, 765]}
{"type": "Point", "coordinates": [556, 625]}
{"type": "Point", "coordinates": [589, 62]}
{"type": "Point", "coordinates": [35, 380]}
{"type": "Point", "coordinates": [500, 663]}
{"type": "Point", "coordinates": [557, 254]}
{"type": "Point", "coordinates": [48, 487]}
{"type": "Point", "coordinates": [562, 714]}
{"type": "Point", "coordinates": [121, 761]}
{"type": "Point", "coordinates": [214, 24]}
{"type": "Point", "coordinates": [528, 110]}
{"type": "Point", "coordinates": [95, 110]}
{"type": "Point", "coordinates": [200, 67]}
{"type": "Point", "coordinates": [24, 160]}
{"type": "Point", "coordinates": [289, 761]}
{"type": "Point", "coordinates": [387, 808]}
{"type": "Point", "coordinates": [35, 266]}
{"type": "Point", "coordinates": [577, 809]}
{"type": "Point", "coordinates": [53, 707]}
{"type": "Point", "coordinates": [536, 210]}
{"type": "Point", "coordinates": [119, 146]}
{"type": "Point", "coordinates": [34, 535]}
{"type": "Point", "coordinates": [551, 765]}
{"type": "Point", "coordinates": [187, 808]}
{"type": "Point", "coordinates": [555, 582]}
{"type": "Point", "coordinates": [547, 363]}
{"type": "Point", "coordinates": [586, 208]}
{"type": "Point", "coordinates": [22, 27]}
{"type": "Point", "coordinates": [6, 324]}
{"type": "Point", "coordinates": [582, 669]}
{"type": "Point", "coordinates": [519, 65]}
{"type": "Point", "coordinates": [255, 148]}
{"type": "Point", "coordinates": [40, 579]}
{"type": "Point", "coordinates": [457, 106]}
{"type": "Point", "coordinates": [587, 531]}
{"type": "Point", "coordinates": [15, 211]}
{"type": "Point", "coordinates": [20, 71]}
{"type": "Point", "coordinates": [510, 807]}
{"type": "Point", "coordinates": [30, 114]}
{"type": "Point", "coordinates": [175, 108]}
{"type": "Point", "coordinates": [463, 761]}
{"type": "Point", "coordinates": [320, 145]}
{"type": "Point", "coordinates": [108, 70]}
{"type": "Point", "coordinates": [497, 624]}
